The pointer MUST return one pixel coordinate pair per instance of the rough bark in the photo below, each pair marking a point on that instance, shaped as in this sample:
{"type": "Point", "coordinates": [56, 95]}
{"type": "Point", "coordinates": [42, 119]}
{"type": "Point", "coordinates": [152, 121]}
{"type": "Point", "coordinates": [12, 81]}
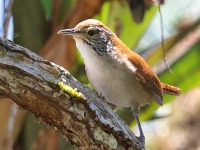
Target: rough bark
{"type": "Point", "coordinates": [55, 97]}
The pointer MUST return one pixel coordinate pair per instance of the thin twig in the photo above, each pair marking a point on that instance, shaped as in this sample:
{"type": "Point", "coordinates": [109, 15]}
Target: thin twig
{"type": "Point", "coordinates": [162, 40]}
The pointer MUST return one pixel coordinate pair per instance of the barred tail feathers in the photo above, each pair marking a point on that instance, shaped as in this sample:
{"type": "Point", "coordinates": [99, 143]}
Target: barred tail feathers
{"type": "Point", "coordinates": [172, 90]}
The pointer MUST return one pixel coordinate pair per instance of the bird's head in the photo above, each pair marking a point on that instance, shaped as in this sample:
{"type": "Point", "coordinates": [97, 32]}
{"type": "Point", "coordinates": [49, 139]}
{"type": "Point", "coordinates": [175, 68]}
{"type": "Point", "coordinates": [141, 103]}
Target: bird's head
{"type": "Point", "coordinates": [93, 33]}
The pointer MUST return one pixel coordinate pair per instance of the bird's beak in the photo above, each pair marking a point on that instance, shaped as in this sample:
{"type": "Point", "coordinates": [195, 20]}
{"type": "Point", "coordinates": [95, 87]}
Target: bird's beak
{"type": "Point", "coordinates": [71, 32]}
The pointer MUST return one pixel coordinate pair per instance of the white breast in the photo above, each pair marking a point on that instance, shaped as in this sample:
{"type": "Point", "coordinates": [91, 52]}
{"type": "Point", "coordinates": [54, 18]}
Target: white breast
{"type": "Point", "coordinates": [112, 78]}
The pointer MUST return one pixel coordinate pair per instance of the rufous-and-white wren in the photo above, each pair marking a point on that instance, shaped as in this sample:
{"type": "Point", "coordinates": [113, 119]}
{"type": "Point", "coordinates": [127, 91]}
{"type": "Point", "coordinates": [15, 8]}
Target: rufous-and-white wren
{"type": "Point", "coordinates": [117, 73]}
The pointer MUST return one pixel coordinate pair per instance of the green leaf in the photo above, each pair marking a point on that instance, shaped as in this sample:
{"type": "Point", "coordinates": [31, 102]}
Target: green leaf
{"type": "Point", "coordinates": [47, 6]}
{"type": "Point", "coordinates": [120, 15]}
{"type": "Point", "coordinates": [30, 23]}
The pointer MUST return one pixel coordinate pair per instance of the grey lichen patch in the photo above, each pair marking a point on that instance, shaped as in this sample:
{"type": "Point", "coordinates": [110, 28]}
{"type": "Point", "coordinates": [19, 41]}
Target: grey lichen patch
{"type": "Point", "coordinates": [29, 96]}
{"type": "Point", "coordinates": [43, 86]}
{"type": "Point", "coordinates": [79, 117]}
{"type": "Point", "coordinates": [3, 88]}
{"type": "Point", "coordinates": [12, 72]}
{"type": "Point", "coordinates": [38, 120]}
{"type": "Point", "coordinates": [72, 92]}
{"type": "Point", "coordinates": [85, 131]}
{"type": "Point", "coordinates": [27, 81]}
{"type": "Point", "coordinates": [61, 92]}
{"type": "Point", "coordinates": [67, 124]}
{"type": "Point", "coordinates": [20, 58]}
{"type": "Point", "coordinates": [78, 110]}
{"type": "Point", "coordinates": [104, 137]}
{"type": "Point", "coordinates": [55, 94]}
{"type": "Point", "coordinates": [67, 96]}
{"type": "Point", "coordinates": [26, 60]}
{"type": "Point", "coordinates": [131, 148]}
{"type": "Point", "coordinates": [13, 85]}
{"type": "Point", "coordinates": [65, 137]}
{"type": "Point", "coordinates": [55, 129]}
{"type": "Point", "coordinates": [2, 51]}
{"type": "Point", "coordinates": [66, 119]}
{"type": "Point", "coordinates": [91, 123]}
{"type": "Point", "coordinates": [50, 69]}
{"type": "Point", "coordinates": [81, 106]}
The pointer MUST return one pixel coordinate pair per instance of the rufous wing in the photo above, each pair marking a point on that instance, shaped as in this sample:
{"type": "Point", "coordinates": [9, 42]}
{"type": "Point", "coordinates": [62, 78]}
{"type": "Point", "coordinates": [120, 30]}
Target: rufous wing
{"type": "Point", "coordinates": [147, 77]}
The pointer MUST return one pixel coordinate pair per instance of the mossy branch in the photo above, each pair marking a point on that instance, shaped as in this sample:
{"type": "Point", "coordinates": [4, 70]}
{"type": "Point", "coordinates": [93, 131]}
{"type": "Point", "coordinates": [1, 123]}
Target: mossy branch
{"type": "Point", "coordinates": [52, 94]}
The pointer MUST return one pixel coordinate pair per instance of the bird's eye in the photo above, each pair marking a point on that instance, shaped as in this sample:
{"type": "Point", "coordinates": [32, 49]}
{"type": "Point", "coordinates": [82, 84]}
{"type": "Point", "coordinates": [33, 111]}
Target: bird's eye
{"type": "Point", "coordinates": [91, 32]}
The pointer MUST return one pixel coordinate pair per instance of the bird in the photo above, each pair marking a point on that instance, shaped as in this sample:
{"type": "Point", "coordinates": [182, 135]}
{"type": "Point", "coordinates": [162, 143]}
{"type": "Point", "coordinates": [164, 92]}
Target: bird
{"type": "Point", "coordinates": [116, 72]}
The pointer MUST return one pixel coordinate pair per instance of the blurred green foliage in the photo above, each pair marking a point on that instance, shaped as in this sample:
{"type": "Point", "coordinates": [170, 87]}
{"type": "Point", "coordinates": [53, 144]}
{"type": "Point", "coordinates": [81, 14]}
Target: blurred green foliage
{"type": "Point", "coordinates": [47, 7]}
{"type": "Point", "coordinates": [121, 22]}
{"type": "Point", "coordinates": [30, 24]}
{"type": "Point", "coordinates": [186, 73]}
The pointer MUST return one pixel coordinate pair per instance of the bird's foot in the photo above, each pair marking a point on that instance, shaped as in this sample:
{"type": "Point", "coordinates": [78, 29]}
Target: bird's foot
{"type": "Point", "coordinates": [141, 139]}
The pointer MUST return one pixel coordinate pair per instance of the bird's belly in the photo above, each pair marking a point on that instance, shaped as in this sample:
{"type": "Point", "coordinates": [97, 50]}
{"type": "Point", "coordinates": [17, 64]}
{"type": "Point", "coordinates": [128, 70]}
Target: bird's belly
{"type": "Point", "coordinates": [117, 84]}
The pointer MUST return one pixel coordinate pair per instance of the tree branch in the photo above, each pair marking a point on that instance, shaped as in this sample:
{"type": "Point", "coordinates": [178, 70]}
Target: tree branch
{"type": "Point", "coordinates": [55, 97]}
